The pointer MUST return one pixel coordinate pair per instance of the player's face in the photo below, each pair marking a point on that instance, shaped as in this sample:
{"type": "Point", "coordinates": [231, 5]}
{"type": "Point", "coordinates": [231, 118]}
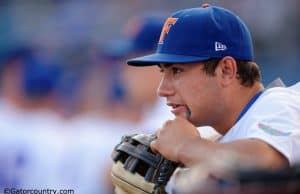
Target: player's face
{"type": "Point", "coordinates": [189, 89]}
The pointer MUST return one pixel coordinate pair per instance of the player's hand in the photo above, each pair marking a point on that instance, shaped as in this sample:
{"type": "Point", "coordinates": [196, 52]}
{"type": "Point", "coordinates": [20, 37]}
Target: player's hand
{"type": "Point", "coordinates": [173, 136]}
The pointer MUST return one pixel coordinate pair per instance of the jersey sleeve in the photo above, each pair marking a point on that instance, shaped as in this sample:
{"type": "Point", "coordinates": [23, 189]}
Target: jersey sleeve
{"type": "Point", "coordinates": [275, 119]}
{"type": "Point", "coordinates": [277, 122]}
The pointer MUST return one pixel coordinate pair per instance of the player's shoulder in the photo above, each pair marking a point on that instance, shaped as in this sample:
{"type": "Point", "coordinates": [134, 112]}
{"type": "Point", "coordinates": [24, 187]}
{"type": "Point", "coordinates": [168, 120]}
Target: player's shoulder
{"type": "Point", "coordinates": [280, 97]}
{"type": "Point", "coordinates": [283, 92]}
{"type": "Point", "coordinates": [295, 87]}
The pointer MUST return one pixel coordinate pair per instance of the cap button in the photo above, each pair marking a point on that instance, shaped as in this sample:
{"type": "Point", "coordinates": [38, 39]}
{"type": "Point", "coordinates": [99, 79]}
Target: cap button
{"type": "Point", "coordinates": [205, 5]}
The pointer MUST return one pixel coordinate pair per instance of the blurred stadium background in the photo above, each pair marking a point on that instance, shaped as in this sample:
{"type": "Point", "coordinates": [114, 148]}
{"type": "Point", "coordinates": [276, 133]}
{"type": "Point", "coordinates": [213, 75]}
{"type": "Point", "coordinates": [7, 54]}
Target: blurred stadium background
{"type": "Point", "coordinates": [64, 102]}
{"type": "Point", "coordinates": [66, 28]}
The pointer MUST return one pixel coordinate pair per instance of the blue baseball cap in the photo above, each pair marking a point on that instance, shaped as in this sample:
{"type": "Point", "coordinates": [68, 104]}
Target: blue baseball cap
{"type": "Point", "coordinates": [140, 34]}
{"type": "Point", "coordinates": [199, 34]}
{"type": "Point", "coordinates": [147, 34]}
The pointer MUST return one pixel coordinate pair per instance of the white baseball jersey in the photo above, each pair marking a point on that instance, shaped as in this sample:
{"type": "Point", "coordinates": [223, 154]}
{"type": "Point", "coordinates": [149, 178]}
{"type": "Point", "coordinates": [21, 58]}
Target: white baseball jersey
{"type": "Point", "coordinates": [273, 118]}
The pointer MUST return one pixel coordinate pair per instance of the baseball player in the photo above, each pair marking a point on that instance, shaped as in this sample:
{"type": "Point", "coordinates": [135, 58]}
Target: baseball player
{"type": "Point", "coordinates": [209, 77]}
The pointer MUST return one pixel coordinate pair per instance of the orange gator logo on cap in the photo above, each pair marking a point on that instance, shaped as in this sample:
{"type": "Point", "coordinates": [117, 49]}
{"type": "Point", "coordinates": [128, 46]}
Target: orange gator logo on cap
{"type": "Point", "coordinates": [167, 26]}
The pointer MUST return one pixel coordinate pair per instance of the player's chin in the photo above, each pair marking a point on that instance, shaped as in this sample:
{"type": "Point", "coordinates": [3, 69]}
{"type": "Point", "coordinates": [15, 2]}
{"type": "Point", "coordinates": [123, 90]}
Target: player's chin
{"type": "Point", "coordinates": [181, 114]}
{"type": "Point", "coordinates": [182, 111]}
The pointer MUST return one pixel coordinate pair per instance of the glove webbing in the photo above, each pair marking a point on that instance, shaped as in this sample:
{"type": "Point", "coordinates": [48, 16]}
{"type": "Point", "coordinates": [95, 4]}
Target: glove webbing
{"type": "Point", "coordinates": [134, 150]}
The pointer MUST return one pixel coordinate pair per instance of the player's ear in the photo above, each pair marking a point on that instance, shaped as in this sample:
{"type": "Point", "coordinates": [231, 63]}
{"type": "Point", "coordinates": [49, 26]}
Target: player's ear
{"type": "Point", "coordinates": [227, 70]}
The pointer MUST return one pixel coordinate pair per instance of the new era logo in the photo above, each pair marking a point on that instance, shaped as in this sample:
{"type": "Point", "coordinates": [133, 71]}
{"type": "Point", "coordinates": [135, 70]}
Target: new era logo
{"type": "Point", "coordinates": [220, 47]}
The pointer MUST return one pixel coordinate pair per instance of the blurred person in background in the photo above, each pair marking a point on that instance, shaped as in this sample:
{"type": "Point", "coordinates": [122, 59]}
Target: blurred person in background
{"type": "Point", "coordinates": [92, 134]}
{"type": "Point", "coordinates": [28, 86]}
{"type": "Point", "coordinates": [124, 95]}
{"type": "Point", "coordinates": [28, 114]}
{"type": "Point", "coordinates": [41, 145]}
{"type": "Point", "coordinates": [134, 90]}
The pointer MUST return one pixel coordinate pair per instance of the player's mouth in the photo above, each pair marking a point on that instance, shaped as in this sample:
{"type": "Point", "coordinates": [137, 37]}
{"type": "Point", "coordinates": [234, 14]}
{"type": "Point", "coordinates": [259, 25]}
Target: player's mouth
{"type": "Point", "coordinates": [179, 109]}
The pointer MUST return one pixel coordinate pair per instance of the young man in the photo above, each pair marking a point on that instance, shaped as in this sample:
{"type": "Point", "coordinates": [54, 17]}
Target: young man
{"type": "Point", "coordinates": [209, 78]}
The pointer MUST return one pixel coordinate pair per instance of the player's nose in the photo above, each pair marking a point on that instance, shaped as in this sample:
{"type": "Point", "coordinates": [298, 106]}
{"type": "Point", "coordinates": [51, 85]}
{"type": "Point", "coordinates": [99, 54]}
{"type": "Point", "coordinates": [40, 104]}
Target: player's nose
{"type": "Point", "coordinates": [165, 88]}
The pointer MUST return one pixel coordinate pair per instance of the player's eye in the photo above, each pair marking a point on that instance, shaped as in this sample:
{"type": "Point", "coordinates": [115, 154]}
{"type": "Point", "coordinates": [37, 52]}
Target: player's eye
{"type": "Point", "coordinates": [176, 70]}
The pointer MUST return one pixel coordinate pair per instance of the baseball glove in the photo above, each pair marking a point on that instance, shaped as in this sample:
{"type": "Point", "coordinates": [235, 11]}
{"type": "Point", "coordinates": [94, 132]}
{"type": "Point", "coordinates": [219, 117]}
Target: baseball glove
{"type": "Point", "coordinates": [136, 169]}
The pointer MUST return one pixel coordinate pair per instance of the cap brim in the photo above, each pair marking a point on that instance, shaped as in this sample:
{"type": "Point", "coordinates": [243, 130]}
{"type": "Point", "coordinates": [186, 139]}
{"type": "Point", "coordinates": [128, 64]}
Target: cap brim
{"type": "Point", "coordinates": [159, 58]}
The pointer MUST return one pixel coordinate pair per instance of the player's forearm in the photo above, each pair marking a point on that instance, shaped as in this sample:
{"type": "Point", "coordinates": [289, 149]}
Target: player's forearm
{"type": "Point", "coordinates": [257, 152]}
{"type": "Point", "coordinates": [196, 151]}
{"type": "Point", "coordinates": [254, 153]}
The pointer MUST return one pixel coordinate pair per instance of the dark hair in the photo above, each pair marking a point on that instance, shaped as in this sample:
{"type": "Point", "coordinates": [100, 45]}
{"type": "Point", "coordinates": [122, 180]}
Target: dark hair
{"type": "Point", "coordinates": [247, 71]}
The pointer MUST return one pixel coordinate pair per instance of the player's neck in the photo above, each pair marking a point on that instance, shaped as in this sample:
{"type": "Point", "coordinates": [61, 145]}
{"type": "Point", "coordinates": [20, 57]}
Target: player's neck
{"type": "Point", "coordinates": [242, 96]}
